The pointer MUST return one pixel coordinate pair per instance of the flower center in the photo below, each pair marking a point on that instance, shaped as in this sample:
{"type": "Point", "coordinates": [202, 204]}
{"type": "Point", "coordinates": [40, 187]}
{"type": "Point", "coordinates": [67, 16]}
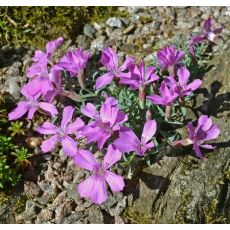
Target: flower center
{"type": "Point", "coordinates": [100, 171]}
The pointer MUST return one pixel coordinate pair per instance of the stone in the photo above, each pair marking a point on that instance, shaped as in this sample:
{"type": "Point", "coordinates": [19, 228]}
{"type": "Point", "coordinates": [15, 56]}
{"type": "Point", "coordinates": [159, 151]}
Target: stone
{"type": "Point", "coordinates": [44, 216]}
{"type": "Point", "coordinates": [196, 190]}
{"type": "Point", "coordinates": [98, 43]}
{"type": "Point", "coordinates": [129, 29]}
{"type": "Point", "coordinates": [73, 218]}
{"type": "Point", "coordinates": [62, 211]}
{"type": "Point", "coordinates": [114, 22]}
{"type": "Point", "coordinates": [31, 189]}
{"type": "Point", "coordinates": [59, 199]}
{"type": "Point", "coordinates": [83, 41]}
{"type": "Point", "coordinates": [95, 215]}
{"type": "Point", "coordinates": [89, 30]}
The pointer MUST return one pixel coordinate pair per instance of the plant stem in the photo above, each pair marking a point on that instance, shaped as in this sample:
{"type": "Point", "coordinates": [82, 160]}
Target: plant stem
{"type": "Point", "coordinates": [81, 80]}
{"type": "Point", "coordinates": [168, 111]}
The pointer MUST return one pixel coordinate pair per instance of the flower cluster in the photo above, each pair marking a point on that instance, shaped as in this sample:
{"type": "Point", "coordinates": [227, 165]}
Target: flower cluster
{"type": "Point", "coordinates": [105, 124]}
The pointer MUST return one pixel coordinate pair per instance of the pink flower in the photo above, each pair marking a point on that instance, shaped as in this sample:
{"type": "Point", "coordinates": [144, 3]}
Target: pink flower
{"type": "Point", "coordinates": [61, 134]}
{"type": "Point", "coordinates": [94, 187]}
{"type": "Point", "coordinates": [204, 131]}
{"type": "Point", "coordinates": [170, 58]}
{"type": "Point", "coordinates": [207, 35]}
{"type": "Point", "coordinates": [105, 123]}
{"type": "Point", "coordinates": [182, 87]}
{"type": "Point", "coordinates": [128, 141]}
{"type": "Point", "coordinates": [140, 76]}
{"type": "Point", "coordinates": [168, 95]}
{"type": "Point", "coordinates": [110, 60]}
{"type": "Point", "coordinates": [44, 57]}
{"type": "Point", "coordinates": [31, 105]}
{"type": "Point", "coordinates": [74, 62]}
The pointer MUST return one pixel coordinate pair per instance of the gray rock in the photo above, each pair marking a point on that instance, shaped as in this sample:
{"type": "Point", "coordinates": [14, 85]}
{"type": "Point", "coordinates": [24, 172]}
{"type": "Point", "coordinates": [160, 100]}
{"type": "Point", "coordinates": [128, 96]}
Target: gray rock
{"type": "Point", "coordinates": [73, 218]}
{"type": "Point", "coordinates": [31, 189]}
{"type": "Point", "coordinates": [89, 30]}
{"type": "Point", "coordinates": [95, 215]}
{"type": "Point", "coordinates": [59, 199]}
{"type": "Point", "coordinates": [98, 43]}
{"type": "Point", "coordinates": [114, 22]}
{"type": "Point", "coordinates": [197, 191]}
{"type": "Point", "coordinates": [134, 18]}
{"type": "Point", "coordinates": [62, 211]}
{"type": "Point", "coordinates": [129, 29]}
{"type": "Point", "coordinates": [83, 41]}
{"type": "Point", "coordinates": [44, 216]}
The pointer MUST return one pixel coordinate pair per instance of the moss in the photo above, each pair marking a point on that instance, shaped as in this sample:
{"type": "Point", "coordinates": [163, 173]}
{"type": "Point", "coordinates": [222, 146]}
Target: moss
{"type": "Point", "coordinates": [20, 204]}
{"type": "Point", "coordinates": [135, 217]}
{"type": "Point", "coordinates": [37, 25]}
{"type": "Point", "coordinates": [3, 199]}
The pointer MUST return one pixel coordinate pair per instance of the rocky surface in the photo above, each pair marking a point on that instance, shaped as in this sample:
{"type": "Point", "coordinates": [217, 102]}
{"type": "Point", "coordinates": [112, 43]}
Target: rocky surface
{"type": "Point", "coordinates": [197, 191]}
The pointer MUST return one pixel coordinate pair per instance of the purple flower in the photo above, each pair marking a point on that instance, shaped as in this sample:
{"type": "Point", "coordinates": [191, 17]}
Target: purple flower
{"type": "Point", "coordinates": [182, 87]}
{"type": "Point", "coordinates": [169, 58]}
{"type": "Point", "coordinates": [168, 95]}
{"type": "Point", "coordinates": [43, 80]}
{"type": "Point", "coordinates": [110, 60]}
{"type": "Point", "coordinates": [43, 57]}
{"type": "Point", "coordinates": [128, 141]}
{"type": "Point", "coordinates": [207, 35]}
{"type": "Point", "coordinates": [105, 123]}
{"type": "Point", "coordinates": [74, 62]}
{"type": "Point", "coordinates": [31, 105]}
{"type": "Point", "coordinates": [61, 134]}
{"type": "Point", "coordinates": [204, 131]}
{"type": "Point", "coordinates": [140, 76]}
{"type": "Point", "coordinates": [94, 187]}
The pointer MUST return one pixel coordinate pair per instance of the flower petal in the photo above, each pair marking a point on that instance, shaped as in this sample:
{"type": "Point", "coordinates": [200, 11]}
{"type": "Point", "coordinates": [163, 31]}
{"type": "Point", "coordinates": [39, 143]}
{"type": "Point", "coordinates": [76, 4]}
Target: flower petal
{"type": "Point", "coordinates": [48, 107]}
{"type": "Point", "coordinates": [86, 188]}
{"type": "Point", "coordinates": [31, 112]}
{"type": "Point", "coordinates": [112, 156]}
{"type": "Point", "coordinates": [86, 160]}
{"type": "Point", "coordinates": [75, 126]}
{"type": "Point", "coordinates": [99, 194]}
{"type": "Point", "coordinates": [155, 99]}
{"type": "Point", "coordinates": [104, 80]}
{"type": "Point", "coordinates": [49, 144]}
{"type": "Point", "coordinates": [149, 130]}
{"type": "Point", "coordinates": [67, 116]}
{"type": "Point", "coordinates": [19, 111]}
{"type": "Point", "coordinates": [127, 141]}
{"type": "Point", "coordinates": [212, 133]}
{"type": "Point", "coordinates": [194, 85]}
{"type": "Point", "coordinates": [183, 76]}
{"type": "Point", "coordinates": [197, 150]}
{"type": "Point", "coordinates": [207, 24]}
{"type": "Point", "coordinates": [90, 111]}
{"type": "Point", "coordinates": [116, 182]}
{"type": "Point", "coordinates": [47, 128]}
{"type": "Point", "coordinates": [69, 146]}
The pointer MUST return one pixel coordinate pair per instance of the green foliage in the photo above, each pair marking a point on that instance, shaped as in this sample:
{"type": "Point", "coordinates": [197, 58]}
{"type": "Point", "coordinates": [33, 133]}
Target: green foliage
{"type": "Point", "coordinates": [33, 25]}
{"type": "Point", "coordinates": [16, 128]}
{"type": "Point", "coordinates": [21, 156]}
{"type": "Point", "coordinates": [11, 155]}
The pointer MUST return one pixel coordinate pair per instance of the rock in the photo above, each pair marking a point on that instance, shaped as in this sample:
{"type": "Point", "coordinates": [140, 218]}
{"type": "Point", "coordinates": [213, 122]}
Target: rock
{"type": "Point", "coordinates": [73, 218]}
{"type": "Point", "coordinates": [95, 215]}
{"type": "Point", "coordinates": [129, 29]}
{"type": "Point", "coordinates": [59, 199]}
{"type": "Point", "coordinates": [31, 189]}
{"type": "Point", "coordinates": [89, 30]}
{"type": "Point", "coordinates": [135, 18]}
{"type": "Point", "coordinates": [13, 87]}
{"type": "Point", "coordinates": [98, 43]}
{"type": "Point", "coordinates": [30, 213]}
{"type": "Point", "coordinates": [114, 22]}
{"type": "Point", "coordinates": [83, 41]}
{"type": "Point", "coordinates": [44, 216]}
{"type": "Point", "coordinates": [183, 189]}
{"type": "Point", "coordinates": [62, 211]}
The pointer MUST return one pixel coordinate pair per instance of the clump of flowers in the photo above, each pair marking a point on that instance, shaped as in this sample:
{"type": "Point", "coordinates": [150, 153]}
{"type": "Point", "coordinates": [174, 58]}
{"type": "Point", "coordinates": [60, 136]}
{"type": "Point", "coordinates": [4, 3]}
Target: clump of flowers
{"type": "Point", "coordinates": [130, 117]}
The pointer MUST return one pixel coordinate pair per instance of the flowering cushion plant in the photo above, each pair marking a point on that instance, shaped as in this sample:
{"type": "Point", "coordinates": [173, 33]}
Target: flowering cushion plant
{"type": "Point", "coordinates": [114, 116]}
